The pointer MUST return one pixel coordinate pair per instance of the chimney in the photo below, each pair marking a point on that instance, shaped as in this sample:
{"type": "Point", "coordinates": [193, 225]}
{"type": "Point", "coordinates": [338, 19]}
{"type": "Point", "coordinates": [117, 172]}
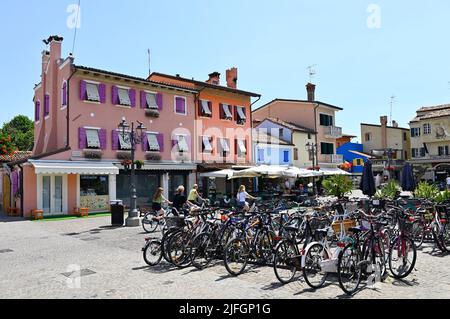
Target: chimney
{"type": "Point", "coordinates": [394, 124]}
{"type": "Point", "coordinates": [311, 89]}
{"type": "Point", "coordinates": [214, 78]}
{"type": "Point", "coordinates": [384, 121]}
{"type": "Point", "coordinates": [55, 43]}
{"type": "Point", "coordinates": [232, 77]}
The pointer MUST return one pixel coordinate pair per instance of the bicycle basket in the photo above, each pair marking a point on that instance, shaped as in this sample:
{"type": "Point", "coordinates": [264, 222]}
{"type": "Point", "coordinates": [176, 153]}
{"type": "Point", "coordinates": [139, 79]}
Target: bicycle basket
{"type": "Point", "coordinates": [347, 224]}
{"type": "Point", "coordinates": [175, 222]}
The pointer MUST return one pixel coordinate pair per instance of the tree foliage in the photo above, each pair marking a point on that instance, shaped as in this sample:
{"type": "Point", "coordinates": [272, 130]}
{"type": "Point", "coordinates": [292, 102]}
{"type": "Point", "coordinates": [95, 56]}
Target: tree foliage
{"type": "Point", "coordinates": [338, 185]}
{"type": "Point", "coordinates": [7, 147]}
{"type": "Point", "coordinates": [21, 131]}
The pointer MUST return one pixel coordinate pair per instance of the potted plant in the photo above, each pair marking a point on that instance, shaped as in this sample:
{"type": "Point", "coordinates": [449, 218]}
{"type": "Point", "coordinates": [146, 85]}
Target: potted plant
{"type": "Point", "coordinates": [139, 164]}
{"type": "Point", "coordinates": [389, 191]}
{"type": "Point", "coordinates": [338, 185]}
{"type": "Point", "coordinates": [93, 154]}
{"type": "Point", "coordinates": [152, 113]}
{"type": "Point", "coordinates": [126, 164]}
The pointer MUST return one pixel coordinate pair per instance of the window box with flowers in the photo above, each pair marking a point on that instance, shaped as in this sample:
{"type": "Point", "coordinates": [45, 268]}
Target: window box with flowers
{"type": "Point", "coordinates": [139, 164]}
{"type": "Point", "coordinates": [152, 113]}
{"type": "Point", "coordinates": [126, 164]}
{"type": "Point", "coordinates": [93, 154]}
{"type": "Point", "coordinates": [153, 156]}
{"type": "Point", "coordinates": [124, 155]}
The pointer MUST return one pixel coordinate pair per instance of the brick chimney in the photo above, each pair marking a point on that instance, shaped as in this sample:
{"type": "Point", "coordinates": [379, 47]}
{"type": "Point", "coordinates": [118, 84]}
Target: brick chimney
{"type": "Point", "coordinates": [384, 121]}
{"type": "Point", "coordinates": [214, 78]}
{"type": "Point", "coordinates": [232, 77]}
{"type": "Point", "coordinates": [394, 124]}
{"type": "Point", "coordinates": [311, 89]}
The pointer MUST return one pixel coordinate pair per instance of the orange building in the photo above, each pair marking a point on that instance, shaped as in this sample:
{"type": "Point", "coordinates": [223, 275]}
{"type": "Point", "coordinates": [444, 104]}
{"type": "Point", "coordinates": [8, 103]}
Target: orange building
{"type": "Point", "coordinates": [223, 125]}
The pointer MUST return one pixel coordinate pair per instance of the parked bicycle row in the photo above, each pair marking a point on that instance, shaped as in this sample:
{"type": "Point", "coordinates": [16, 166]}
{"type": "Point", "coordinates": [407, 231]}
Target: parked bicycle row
{"type": "Point", "coordinates": [353, 239]}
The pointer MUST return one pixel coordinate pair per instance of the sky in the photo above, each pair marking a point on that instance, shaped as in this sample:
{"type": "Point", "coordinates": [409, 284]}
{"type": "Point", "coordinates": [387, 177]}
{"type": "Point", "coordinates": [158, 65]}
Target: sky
{"type": "Point", "coordinates": [364, 52]}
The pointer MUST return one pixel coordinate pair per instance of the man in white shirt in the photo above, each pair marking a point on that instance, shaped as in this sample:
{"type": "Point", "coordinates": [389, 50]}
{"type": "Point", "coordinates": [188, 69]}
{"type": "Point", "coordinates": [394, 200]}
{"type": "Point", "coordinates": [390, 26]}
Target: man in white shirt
{"type": "Point", "coordinates": [448, 181]}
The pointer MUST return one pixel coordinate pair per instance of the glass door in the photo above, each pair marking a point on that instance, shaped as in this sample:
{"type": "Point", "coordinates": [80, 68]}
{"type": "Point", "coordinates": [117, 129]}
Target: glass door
{"type": "Point", "coordinates": [58, 200]}
{"type": "Point", "coordinates": [46, 194]}
{"type": "Point", "coordinates": [54, 195]}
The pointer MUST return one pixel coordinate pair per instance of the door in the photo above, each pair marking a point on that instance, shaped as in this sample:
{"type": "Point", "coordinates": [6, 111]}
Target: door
{"type": "Point", "coordinates": [6, 193]}
{"type": "Point", "coordinates": [52, 194]}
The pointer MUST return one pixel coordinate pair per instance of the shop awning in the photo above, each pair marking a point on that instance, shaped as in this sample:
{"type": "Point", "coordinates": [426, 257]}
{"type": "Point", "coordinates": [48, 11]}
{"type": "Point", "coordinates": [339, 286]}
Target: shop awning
{"type": "Point", "coordinates": [81, 168]}
{"type": "Point", "coordinates": [328, 171]}
{"type": "Point", "coordinates": [169, 167]}
{"type": "Point", "coordinates": [225, 173]}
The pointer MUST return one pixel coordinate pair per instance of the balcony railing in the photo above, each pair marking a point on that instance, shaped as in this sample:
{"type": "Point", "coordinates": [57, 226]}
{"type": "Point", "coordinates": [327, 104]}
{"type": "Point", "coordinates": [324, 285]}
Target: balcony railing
{"type": "Point", "coordinates": [333, 131]}
{"type": "Point", "coordinates": [334, 159]}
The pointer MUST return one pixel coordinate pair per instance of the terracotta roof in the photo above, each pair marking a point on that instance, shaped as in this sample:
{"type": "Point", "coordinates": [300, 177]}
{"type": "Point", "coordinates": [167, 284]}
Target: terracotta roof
{"type": "Point", "coordinates": [204, 84]}
{"type": "Point", "coordinates": [264, 138]}
{"type": "Point", "coordinates": [290, 125]}
{"type": "Point", "coordinates": [300, 101]}
{"type": "Point", "coordinates": [133, 78]}
{"type": "Point", "coordinates": [17, 156]}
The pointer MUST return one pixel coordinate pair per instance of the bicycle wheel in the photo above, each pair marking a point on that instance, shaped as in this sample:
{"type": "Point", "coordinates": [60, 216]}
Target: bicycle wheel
{"type": "Point", "coordinates": [312, 272]}
{"type": "Point", "coordinates": [264, 247]}
{"type": "Point", "coordinates": [418, 233]}
{"type": "Point", "coordinates": [438, 237]}
{"type": "Point", "coordinates": [379, 259]}
{"type": "Point", "coordinates": [349, 270]}
{"type": "Point", "coordinates": [148, 223]}
{"type": "Point", "coordinates": [178, 250]}
{"type": "Point", "coordinates": [201, 253]}
{"type": "Point", "coordinates": [402, 257]}
{"type": "Point", "coordinates": [286, 262]}
{"type": "Point", "coordinates": [153, 252]}
{"type": "Point", "coordinates": [236, 256]}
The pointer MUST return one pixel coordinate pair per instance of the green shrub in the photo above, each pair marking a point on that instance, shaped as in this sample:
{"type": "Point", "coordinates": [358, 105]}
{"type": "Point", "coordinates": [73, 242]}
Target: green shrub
{"type": "Point", "coordinates": [388, 191]}
{"type": "Point", "coordinates": [427, 191]}
{"type": "Point", "coordinates": [338, 185]}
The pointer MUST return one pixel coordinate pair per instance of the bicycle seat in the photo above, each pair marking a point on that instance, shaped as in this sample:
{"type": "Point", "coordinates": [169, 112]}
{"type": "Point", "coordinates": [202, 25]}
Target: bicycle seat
{"type": "Point", "coordinates": [322, 231]}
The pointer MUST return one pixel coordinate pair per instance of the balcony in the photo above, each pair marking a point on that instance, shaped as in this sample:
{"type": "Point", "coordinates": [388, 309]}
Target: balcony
{"type": "Point", "coordinates": [333, 131]}
{"type": "Point", "coordinates": [333, 159]}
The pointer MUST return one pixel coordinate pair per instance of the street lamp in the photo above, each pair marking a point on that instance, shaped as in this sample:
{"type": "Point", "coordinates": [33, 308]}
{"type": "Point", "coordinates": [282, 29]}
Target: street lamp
{"type": "Point", "coordinates": [311, 148]}
{"type": "Point", "coordinates": [135, 137]}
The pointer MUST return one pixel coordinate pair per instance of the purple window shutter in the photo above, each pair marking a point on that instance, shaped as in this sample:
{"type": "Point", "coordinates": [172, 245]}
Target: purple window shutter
{"type": "Point", "coordinates": [180, 105]}
{"type": "Point", "coordinates": [83, 93]}
{"type": "Point", "coordinates": [15, 183]}
{"type": "Point", "coordinates": [102, 138]}
{"type": "Point", "coordinates": [64, 93]}
{"type": "Point", "coordinates": [159, 101]}
{"type": "Point", "coordinates": [132, 94]}
{"type": "Point", "coordinates": [37, 111]}
{"type": "Point", "coordinates": [174, 142]}
{"type": "Point", "coordinates": [47, 105]}
{"type": "Point", "coordinates": [143, 100]}
{"type": "Point", "coordinates": [160, 138]}
{"type": "Point", "coordinates": [102, 93]}
{"type": "Point", "coordinates": [82, 142]}
{"type": "Point", "coordinates": [144, 142]}
{"type": "Point", "coordinates": [115, 95]}
{"type": "Point", "coordinates": [114, 140]}
{"type": "Point", "coordinates": [210, 108]}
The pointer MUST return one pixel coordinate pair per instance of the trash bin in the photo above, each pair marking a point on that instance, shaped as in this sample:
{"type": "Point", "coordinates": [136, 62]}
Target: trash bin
{"type": "Point", "coordinates": [117, 213]}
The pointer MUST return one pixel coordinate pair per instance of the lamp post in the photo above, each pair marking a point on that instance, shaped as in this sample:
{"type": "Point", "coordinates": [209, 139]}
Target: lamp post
{"type": "Point", "coordinates": [311, 148]}
{"type": "Point", "coordinates": [135, 137]}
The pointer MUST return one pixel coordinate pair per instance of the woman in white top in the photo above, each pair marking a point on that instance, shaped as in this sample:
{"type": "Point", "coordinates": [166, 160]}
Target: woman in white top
{"type": "Point", "coordinates": [242, 198]}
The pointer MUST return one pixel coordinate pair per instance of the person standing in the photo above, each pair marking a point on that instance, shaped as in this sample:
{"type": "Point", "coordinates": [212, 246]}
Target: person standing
{"type": "Point", "coordinates": [447, 180]}
{"type": "Point", "coordinates": [378, 181]}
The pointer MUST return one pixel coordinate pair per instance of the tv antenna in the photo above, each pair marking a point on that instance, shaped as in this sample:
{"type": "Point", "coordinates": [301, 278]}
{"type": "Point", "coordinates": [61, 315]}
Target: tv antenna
{"type": "Point", "coordinates": [312, 72]}
{"type": "Point", "coordinates": [393, 97]}
{"type": "Point", "coordinates": [149, 62]}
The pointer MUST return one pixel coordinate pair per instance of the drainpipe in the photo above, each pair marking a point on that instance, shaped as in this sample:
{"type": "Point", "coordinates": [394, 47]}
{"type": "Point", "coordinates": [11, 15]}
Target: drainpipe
{"type": "Point", "coordinates": [68, 106]}
{"type": "Point", "coordinates": [315, 128]}
{"type": "Point", "coordinates": [21, 189]}
{"type": "Point", "coordinates": [196, 102]}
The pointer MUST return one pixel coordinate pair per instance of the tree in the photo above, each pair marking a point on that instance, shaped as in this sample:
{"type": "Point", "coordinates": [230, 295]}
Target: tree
{"type": "Point", "coordinates": [338, 185]}
{"type": "Point", "coordinates": [6, 145]}
{"type": "Point", "coordinates": [21, 131]}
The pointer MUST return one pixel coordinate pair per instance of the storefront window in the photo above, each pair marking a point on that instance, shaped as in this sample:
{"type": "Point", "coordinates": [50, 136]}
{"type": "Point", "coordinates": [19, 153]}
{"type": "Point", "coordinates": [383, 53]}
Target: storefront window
{"type": "Point", "coordinates": [146, 185]}
{"type": "Point", "coordinates": [94, 192]}
{"type": "Point", "coordinates": [176, 180]}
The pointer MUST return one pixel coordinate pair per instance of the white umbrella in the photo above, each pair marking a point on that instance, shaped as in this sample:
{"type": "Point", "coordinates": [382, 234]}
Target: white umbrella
{"type": "Point", "coordinates": [328, 171]}
{"type": "Point", "coordinates": [300, 172]}
{"type": "Point", "coordinates": [225, 173]}
{"type": "Point", "coordinates": [258, 171]}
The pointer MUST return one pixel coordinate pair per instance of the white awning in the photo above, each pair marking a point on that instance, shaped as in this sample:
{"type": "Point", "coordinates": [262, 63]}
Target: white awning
{"type": "Point", "coordinates": [242, 148]}
{"type": "Point", "coordinates": [205, 108]}
{"type": "Point", "coordinates": [226, 173]}
{"type": "Point", "coordinates": [226, 110]}
{"type": "Point", "coordinates": [124, 140]}
{"type": "Point", "coordinates": [327, 171]}
{"type": "Point", "coordinates": [241, 114]}
{"type": "Point", "coordinates": [153, 143]}
{"type": "Point", "coordinates": [182, 144]}
{"type": "Point", "coordinates": [92, 138]}
{"type": "Point", "coordinates": [81, 168]}
{"type": "Point", "coordinates": [124, 97]}
{"type": "Point", "coordinates": [225, 145]}
{"type": "Point", "coordinates": [169, 167]}
{"type": "Point", "coordinates": [207, 147]}
{"type": "Point", "coordinates": [92, 92]}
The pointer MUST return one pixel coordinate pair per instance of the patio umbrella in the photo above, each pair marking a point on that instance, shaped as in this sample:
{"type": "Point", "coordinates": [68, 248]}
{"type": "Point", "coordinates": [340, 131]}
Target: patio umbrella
{"type": "Point", "coordinates": [220, 174]}
{"type": "Point", "coordinates": [408, 181]}
{"type": "Point", "coordinates": [367, 181]}
{"type": "Point", "coordinates": [260, 171]}
{"type": "Point", "coordinates": [295, 172]}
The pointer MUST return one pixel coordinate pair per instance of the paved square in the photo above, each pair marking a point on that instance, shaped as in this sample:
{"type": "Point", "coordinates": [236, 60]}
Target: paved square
{"type": "Point", "coordinates": [43, 258]}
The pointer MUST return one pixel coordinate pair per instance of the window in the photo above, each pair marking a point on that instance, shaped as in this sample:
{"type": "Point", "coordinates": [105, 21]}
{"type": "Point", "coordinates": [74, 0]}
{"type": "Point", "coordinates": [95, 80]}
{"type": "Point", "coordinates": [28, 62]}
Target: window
{"type": "Point", "coordinates": [286, 156]}
{"type": "Point", "coordinates": [327, 149]}
{"type": "Point", "coordinates": [415, 131]}
{"type": "Point", "coordinates": [224, 146]}
{"type": "Point", "coordinates": [180, 105]}
{"type": "Point", "coordinates": [241, 117]}
{"type": "Point", "coordinates": [309, 136]}
{"type": "Point", "coordinates": [46, 105]}
{"type": "Point", "coordinates": [124, 97]}
{"type": "Point", "coordinates": [181, 141]}
{"type": "Point", "coordinates": [225, 113]}
{"type": "Point", "coordinates": [295, 154]}
{"type": "Point", "coordinates": [261, 155]}
{"type": "Point", "coordinates": [326, 120]}
{"type": "Point", "coordinates": [92, 92]}
{"type": "Point", "coordinates": [124, 141]}
{"type": "Point", "coordinates": [443, 150]}
{"type": "Point", "coordinates": [405, 137]}
{"type": "Point", "coordinates": [64, 95]}
{"type": "Point", "coordinates": [427, 129]}
{"type": "Point", "coordinates": [205, 108]}
{"type": "Point", "coordinates": [151, 101]}
{"type": "Point", "coordinates": [368, 137]}
{"type": "Point", "coordinates": [422, 152]}
{"type": "Point", "coordinates": [37, 111]}
{"type": "Point", "coordinates": [153, 143]}
{"type": "Point", "coordinates": [241, 148]}
{"type": "Point", "coordinates": [93, 185]}
{"type": "Point", "coordinates": [93, 140]}
{"type": "Point", "coordinates": [206, 144]}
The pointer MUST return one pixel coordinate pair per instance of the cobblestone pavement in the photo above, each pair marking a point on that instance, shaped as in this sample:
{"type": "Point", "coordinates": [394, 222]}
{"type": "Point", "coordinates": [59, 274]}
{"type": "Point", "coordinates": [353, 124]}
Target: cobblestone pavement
{"type": "Point", "coordinates": [38, 260]}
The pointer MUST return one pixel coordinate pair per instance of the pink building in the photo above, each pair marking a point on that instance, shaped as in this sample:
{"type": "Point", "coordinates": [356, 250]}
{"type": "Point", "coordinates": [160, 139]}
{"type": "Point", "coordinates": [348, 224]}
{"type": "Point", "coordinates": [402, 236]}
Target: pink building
{"type": "Point", "coordinates": [79, 155]}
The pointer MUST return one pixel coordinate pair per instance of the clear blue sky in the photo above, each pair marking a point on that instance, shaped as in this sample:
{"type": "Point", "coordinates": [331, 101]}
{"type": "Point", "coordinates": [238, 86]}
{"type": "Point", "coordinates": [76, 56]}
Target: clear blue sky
{"type": "Point", "coordinates": [271, 42]}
